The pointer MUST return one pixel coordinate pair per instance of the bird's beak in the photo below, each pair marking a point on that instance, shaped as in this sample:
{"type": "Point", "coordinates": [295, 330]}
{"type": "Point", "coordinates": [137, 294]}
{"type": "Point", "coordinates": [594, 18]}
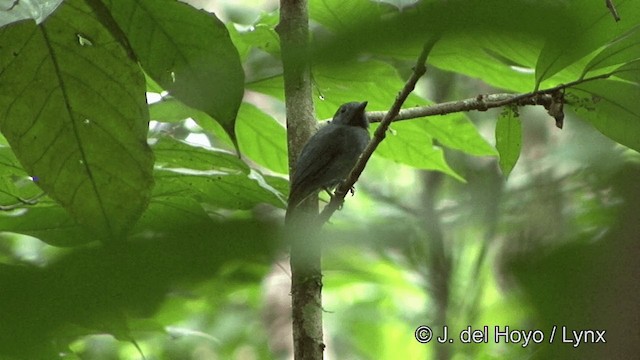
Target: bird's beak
{"type": "Point", "coordinates": [362, 106]}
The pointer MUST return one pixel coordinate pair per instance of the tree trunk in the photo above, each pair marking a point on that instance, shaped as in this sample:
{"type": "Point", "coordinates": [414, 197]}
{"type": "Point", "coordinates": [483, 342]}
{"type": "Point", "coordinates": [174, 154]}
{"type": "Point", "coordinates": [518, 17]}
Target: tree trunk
{"type": "Point", "coordinates": [306, 276]}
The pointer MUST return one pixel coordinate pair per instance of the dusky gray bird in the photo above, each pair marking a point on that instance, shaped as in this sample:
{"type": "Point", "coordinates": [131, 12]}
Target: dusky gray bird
{"type": "Point", "coordinates": [330, 154]}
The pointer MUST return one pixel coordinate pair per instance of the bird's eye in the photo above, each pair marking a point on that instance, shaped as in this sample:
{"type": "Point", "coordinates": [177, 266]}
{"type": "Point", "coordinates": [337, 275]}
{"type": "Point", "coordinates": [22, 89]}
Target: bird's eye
{"type": "Point", "coordinates": [343, 110]}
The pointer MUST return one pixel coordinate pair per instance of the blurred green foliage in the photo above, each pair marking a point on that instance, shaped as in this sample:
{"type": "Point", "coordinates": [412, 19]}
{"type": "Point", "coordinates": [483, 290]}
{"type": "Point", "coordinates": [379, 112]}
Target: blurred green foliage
{"type": "Point", "coordinates": [133, 227]}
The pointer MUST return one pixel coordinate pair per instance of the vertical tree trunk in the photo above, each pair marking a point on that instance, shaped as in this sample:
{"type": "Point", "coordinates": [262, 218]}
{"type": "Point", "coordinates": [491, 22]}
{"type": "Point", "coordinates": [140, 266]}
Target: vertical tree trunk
{"type": "Point", "coordinates": [306, 277]}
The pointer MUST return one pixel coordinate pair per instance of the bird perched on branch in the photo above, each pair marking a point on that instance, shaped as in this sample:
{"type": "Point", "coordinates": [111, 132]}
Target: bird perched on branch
{"type": "Point", "coordinates": [330, 154]}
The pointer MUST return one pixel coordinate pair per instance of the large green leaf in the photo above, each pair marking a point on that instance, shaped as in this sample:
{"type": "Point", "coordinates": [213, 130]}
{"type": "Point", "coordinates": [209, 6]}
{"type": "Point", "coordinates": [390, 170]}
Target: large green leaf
{"type": "Point", "coordinates": [9, 164]}
{"type": "Point", "coordinates": [374, 81]}
{"type": "Point", "coordinates": [47, 222]}
{"type": "Point", "coordinates": [209, 176]}
{"type": "Point", "coordinates": [180, 154]}
{"type": "Point", "coordinates": [16, 187]}
{"type": "Point", "coordinates": [187, 51]}
{"type": "Point", "coordinates": [613, 107]}
{"type": "Point", "coordinates": [408, 142]}
{"type": "Point", "coordinates": [102, 289]}
{"type": "Point", "coordinates": [172, 110]}
{"type": "Point", "coordinates": [629, 71]}
{"type": "Point", "coordinates": [74, 111]}
{"type": "Point", "coordinates": [457, 132]}
{"type": "Point", "coordinates": [622, 50]}
{"type": "Point", "coordinates": [503, 60]}
{"type": "Point", "coordinates": [495, 40]}
{"type": "Point", "coordinates": [262, 139]}
{"type": "Point", "coordinates": [218, 189]}
{"type": "Point", "coordinates": [261, 35]}
{"type": "Point", "coordinates": [33, 214]}
{"type": "Point", "coordinates": [594, 27]}
{"type": "Point", "coordinates": [338, 15]}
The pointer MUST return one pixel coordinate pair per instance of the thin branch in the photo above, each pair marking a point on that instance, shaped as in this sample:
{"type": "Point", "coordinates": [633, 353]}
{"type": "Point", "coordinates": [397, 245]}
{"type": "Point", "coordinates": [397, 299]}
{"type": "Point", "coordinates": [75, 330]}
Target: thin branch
{"type": "Point", "coordinates": [379, 135]}
{"type": "Point", "coordinates": [545, 97]}
{"type": "Point", "coordinates": [613, 10]}
{"type": "Point", "coordinates": [480, 103]}
{"type": "Point", "coordinates": [542, 97]}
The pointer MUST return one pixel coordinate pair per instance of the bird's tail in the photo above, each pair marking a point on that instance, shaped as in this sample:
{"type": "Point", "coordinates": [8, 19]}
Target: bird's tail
{"type": "Point", "coordinates": [295, 199]}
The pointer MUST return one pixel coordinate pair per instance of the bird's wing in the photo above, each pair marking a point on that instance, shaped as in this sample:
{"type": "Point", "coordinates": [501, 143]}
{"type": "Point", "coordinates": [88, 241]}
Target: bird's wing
{"type": "Point", "coordinates": [315, 159]}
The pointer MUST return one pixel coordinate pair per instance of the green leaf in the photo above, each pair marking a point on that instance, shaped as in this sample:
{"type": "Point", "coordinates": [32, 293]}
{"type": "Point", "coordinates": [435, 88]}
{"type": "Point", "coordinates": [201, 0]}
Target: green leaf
{"type": "Point", "coordinates": [408, 142]}
{"type": "Point", "coordinates": [622, 50]}
{"type": "Point", "coordinates": [338, 14]}
{"type": "Point", "coordinates": [457, 132]}
{"type": "Point", "coordinates": [75, 114]}
{"type": "Point", "coordinates": [487, 58]}
{"type": "Point", "coordinates": [180, 154]}
{"type": "Point", "coordinates": [47, 222]}
{"type": "Point", "coordinates": [20, 193]}
{"type": "Point", "coordinates": [508, 140]}
{"type": "Point", "coordinates": [152, 85]}
{"type": "Point", "coordinates": [167, 213]}
{"type": "Point", "coordinates": [629, 71]}
{"type": "Point", "coordinates": [172, 110]}
{"type": "Point", "coordinates": [262, 139]}
{"type": "Point", "coordinates": [98, 289]}
{"type": "Point", "coordinates": [612, 107]}
{"type": "Point", "coordinates": [227, 190]}
{"type": "Point", "coordinates": [17, 189]}
{"type": "Point", "coordinates": [496, 41]}
{"type": "Point", "coordinates": [211, 176]}
{"type": "Point", "coordinates": [9, 164]}
{"type": "Point", "coordinates": [235, 36]}
{"type": "Point", "coordinates": [188, 52]}
{"type": "Point", "coordinates": [374, 81]}
{"type": "Point", "coordinates": [594, 27]}
{"type": "Point", "coordinates": [262, 35]}
{"type": "Point", "coordinates": [475, 35]}
{"type": "Point", "coordinates": [8, 192]}
{"type": "Point", "coordinates": [504, 60]}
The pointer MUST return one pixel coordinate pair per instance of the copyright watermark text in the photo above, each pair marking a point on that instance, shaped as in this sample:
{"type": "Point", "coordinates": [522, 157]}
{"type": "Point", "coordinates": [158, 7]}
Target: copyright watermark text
{"type": "Point", "coordinates": [505, 334]}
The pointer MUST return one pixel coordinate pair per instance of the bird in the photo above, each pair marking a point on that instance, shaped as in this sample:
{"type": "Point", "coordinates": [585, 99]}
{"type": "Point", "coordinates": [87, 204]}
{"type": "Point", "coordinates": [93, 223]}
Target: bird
{"type": "Point", "coordinates": [330, 154]}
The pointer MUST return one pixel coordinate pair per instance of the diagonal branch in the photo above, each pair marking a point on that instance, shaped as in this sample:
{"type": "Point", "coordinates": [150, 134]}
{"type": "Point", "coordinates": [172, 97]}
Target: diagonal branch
{"type": "Point", "coordinates": [545, 97]}
{"type": "Point", "coordinates": [341, 191]}
{"type": "Point", "coordinates": [613, 10]}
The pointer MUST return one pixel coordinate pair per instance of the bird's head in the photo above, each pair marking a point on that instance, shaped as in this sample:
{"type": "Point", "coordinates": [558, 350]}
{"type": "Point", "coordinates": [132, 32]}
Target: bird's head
{"type": "Point", "coordinates": [352, 114]}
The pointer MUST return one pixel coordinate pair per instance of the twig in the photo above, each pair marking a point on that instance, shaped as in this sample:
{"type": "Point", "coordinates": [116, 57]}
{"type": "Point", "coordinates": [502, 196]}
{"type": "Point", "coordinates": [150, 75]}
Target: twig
{"type": "Point", "coordinates": [544, 97]}
{"type": "Point", "coordinates": [479, 103]}
{"type": "Point", "coordinates": [379, 135]}
{"type": "Point", "coordinates": [613, 10]}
